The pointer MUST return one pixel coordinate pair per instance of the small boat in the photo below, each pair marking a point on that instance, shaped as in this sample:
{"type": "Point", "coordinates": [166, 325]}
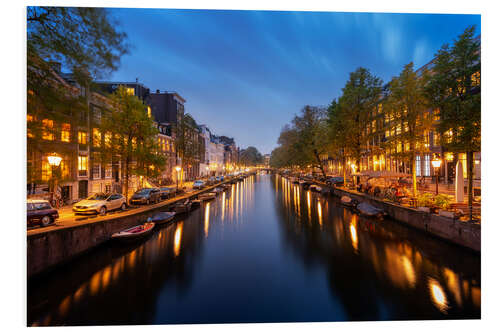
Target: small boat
{"type": "Point", "coordinates": [183, 207]}
{"type": "Point", "coordinates": [196, 202]}
{"type": "Point", "coordinates": [348, 201]}
{"type": "Point", "coordinates": [207, 196]}
{"type": "Point", "coordinates": [315, 188]}
{"type": "Point", "coordinates": [368, 210]}
{"type": "Point", "coordinates": [217, 190]}
{"type": "Point", "coordinates": [134, 233]}
{"type": "Point", "coordinates": [227, 186]}
{"type": "Point", "coordinates": [163, 217]}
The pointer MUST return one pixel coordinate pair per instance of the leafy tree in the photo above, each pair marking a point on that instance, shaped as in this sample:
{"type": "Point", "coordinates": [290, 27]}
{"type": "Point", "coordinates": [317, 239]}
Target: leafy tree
{"type": "Point", "coordinates": [360, 96]}
{"type": "Point", "coordinates": [130, 136]}
{"type": "Point", "coordinates": [85, 41]}
{"type": "Point", "coordinates": [337, 132]}
{"type": "Point", "coordinates": [407, 104]}
{"type": "Point", "coordinates": [251, 156]}
{"type": "Point", "coordinates": [455, 89]}
{"type": "Point", "coordinates": [188, 147]}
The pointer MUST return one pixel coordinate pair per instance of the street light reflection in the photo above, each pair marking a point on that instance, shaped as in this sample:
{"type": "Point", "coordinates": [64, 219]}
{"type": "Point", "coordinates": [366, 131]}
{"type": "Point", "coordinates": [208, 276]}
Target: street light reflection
{"type": "Point", "coordinates": [438, 296]}
{"type": "Point", "coordinates": [353, 231]}
{"type": "Point", "coordinates": [177, 239]}
{"type": "Point", "coordinates": [207, 218]}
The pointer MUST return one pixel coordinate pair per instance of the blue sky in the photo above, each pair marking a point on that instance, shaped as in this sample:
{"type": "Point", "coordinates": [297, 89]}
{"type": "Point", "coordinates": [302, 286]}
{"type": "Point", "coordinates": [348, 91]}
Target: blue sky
{"type": "Point", "coordinates": [245, 74]}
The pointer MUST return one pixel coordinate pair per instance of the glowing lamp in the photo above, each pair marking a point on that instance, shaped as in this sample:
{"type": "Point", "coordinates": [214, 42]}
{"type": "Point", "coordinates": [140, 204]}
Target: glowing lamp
{"type": "Point", "coordinates": [54, 159]}
{"type": "Point", "coordinates": [436, 162]}
{"type": "Point", "coordinates": [177, 168]}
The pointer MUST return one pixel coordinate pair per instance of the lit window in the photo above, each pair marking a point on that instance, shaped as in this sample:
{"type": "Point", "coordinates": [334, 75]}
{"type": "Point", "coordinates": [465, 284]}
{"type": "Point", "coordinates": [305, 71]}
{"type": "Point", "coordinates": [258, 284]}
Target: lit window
{"type": "Point", "coordinates": [399, 147]}
{"type": "Point", "coordinates": [418, 167]}
{"type": "Point", "coordinates": [108, 172]}
{"type": "Point", "coordinates": [96, 137]}
{"type": "Point", "coordinates": [149, 111]}
{"type": "Point", "coordinates": [407, 146]}
{"type": "Point", "coordinates": [398, 129]}
{"type": "Point", "coordinates": [427, 165]}
{"type": "Point", "coordinates": [83, 165]}
{"type": "Point", "coordinates": [107, 139]}
{"type": "Point", "coordinates": [65, 132]}
{"type": "Point", "coordinates": [46, 171]}
{"type": "Point", "coordinates": [96, 171]}
{"type": "Point", "coordinates": [130, 91]}
{"type": "Point", "coordinates": [476, 79]}
{"type": "Point", "coordinates": [82, 137]}
{"type": "Point", "coordinates": [48, 126]}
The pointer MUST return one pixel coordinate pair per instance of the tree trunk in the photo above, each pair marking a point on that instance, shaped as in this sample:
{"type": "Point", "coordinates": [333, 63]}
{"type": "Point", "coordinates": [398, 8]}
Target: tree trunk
{"type": "Point", "coordinates": [470, 180]}
{"type": "Point", "coordinates": [414, 174]}
{"type": "Point", "coordinates": [126, 177]}
{"type": "Point", "coordinates": [343, 169]}
{"type": "Point", "coordinates": [319, 163]}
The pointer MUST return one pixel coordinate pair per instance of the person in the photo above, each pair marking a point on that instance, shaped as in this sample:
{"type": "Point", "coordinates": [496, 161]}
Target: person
{"type": "Point", "coordinates": [57, 196]}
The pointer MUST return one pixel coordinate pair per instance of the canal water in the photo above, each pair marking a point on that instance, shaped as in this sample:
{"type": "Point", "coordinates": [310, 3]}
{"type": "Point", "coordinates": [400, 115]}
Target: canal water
{"type": "Point", "coordinates": [264, 251]}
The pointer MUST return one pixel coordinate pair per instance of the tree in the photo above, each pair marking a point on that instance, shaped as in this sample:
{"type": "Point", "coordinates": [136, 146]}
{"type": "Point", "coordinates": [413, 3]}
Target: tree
{"type": "Point", "coordinates": [130, 136]}
{"type": "Point", "coordinates": [407, 104]}
{"type": "Point", "coordinates": [188, 147]}
{"type": "Point", "coordinates": [360, 96]}
{"type": "Point", "coordinates": [251, 157]}
{"type": "Point", "coordinates": [455, 89]}
{"type": "Point", "coordinates": [83, 40]}
{"type": "Point", "coordinates": [337, 132]}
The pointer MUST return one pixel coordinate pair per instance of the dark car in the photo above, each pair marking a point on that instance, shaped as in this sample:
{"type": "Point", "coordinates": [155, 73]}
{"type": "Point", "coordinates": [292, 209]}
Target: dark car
{"type": "Point", "coordinates": [199, 185]}
{"type": "Point", "coordinates": [40, 212]}
{"type": "Point", "coordinates": [167, 192]}
{"type": "Point", "coordinates": [145, 196]}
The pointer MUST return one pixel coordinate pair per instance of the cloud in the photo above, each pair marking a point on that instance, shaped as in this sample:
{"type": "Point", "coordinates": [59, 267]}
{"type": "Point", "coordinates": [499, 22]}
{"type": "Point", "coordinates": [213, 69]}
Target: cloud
{"type": "Point", "coordinates": [391, 43]}
{"type": "Point", "coordinates": [421, 53]}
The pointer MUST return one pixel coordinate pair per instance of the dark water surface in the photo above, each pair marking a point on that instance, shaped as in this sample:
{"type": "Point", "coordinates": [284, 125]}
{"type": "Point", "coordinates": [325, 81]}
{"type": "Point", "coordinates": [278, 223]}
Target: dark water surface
{"type": "Point", "coordinates": [264, 251]}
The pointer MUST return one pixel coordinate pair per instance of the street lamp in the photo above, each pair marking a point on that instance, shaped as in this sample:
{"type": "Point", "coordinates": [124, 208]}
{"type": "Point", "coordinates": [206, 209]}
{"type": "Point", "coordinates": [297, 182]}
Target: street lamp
{"type": "Point", "coordinates": [436, 163]}
{"type": "Point", "coordinates": [54, 161]}
{"type": "Point", "coordinates": [177, 168]}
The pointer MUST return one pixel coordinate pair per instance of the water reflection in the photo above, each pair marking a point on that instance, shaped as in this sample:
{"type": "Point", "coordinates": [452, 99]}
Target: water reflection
{"type": "Point", "coordinates": [328, 264]}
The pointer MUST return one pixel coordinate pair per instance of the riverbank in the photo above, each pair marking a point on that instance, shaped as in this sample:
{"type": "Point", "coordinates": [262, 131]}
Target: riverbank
{"type": "Point", "coordinates": [461, 233]}
{"type": "Point", "coordinates": [50, 247]}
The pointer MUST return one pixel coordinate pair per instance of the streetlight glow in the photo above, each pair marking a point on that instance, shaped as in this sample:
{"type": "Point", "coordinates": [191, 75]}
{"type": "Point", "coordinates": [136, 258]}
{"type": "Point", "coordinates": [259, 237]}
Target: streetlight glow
{"type": "Point", "coordinates": [54, 159]}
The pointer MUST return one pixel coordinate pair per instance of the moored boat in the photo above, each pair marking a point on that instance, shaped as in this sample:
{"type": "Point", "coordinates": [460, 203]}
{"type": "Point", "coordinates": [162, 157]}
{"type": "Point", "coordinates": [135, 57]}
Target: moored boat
{"type": "Point", "coordinates": [316, 188]}
{"type": "Point", "coordinates": [163, 217]}
{"type": "Point", "coordinates": [207, 196]}
{"type": "Point", "coordinates": [217, 190]}
{"type": "Point", "coordinates": [183, 206]}
{"type": "Point", "coordinates": [348, 201]}
{"type": "Point", "coordinates": [134, 233]}
{"type": "Point", "coordinates": [368, 210]}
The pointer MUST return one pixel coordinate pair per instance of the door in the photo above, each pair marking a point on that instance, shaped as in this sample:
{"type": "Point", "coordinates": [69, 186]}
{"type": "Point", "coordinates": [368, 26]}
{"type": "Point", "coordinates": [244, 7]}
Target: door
{"type": "Point", "coordinates": [83, 186]}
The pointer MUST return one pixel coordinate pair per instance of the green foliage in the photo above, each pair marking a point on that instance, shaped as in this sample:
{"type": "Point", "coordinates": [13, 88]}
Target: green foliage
{"type": "Point", "coordinates": [443, 201]}
{"type": "Point", "coordinates": [425, 200]}
{"type": "Point", "coordinates": [132, 137]}
{"type": "Point", "coordinates": [408, 105]}
{"type": "Point", "coordinates": [360, 97]}
{"type": "Point", "coordinates": [251, 157]}
{"type": "Point", "coordinates": [303, 141]}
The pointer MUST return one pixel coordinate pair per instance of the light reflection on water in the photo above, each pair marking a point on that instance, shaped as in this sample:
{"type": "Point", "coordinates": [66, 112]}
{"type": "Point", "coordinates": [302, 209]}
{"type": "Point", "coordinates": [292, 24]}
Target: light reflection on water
{"type": "Point", "coordinates": [359, 259]}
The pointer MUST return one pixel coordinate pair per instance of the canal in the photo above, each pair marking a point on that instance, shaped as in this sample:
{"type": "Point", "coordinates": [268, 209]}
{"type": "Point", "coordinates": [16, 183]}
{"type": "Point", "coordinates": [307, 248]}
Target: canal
{"type": "Point", "coordinates": [263, 251]}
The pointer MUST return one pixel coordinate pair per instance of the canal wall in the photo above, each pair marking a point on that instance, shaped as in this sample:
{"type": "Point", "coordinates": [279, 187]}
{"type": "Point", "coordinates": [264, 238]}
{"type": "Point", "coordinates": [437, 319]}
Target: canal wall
{"type": "Point", "coordinates": [51, 248]}
{"type": "Point", "coordinates": [453, 230]}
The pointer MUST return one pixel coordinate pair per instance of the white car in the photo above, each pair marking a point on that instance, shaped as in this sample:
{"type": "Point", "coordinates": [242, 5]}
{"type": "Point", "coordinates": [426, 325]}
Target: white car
{"type": "Point", "coordinates": [100, 203]}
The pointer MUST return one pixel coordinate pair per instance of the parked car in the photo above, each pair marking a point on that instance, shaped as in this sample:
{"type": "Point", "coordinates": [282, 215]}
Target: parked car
{"type": "Point", "coordinates": [220, 178]}
{"type": "Point", "coordinates": [167, 192]}
{"type": "Point", "coordinates": [100, 203]}
{"type": "Point", "coordinates": [212, 180]}
{"type": "Point", "coordinates": [145, 196]}
{"type": "Point", "coordinates": [335, 181]}
{"type": "Point", "coordinates": [198, 185]}
{"type": "Point", "coordinates": [40, 212]}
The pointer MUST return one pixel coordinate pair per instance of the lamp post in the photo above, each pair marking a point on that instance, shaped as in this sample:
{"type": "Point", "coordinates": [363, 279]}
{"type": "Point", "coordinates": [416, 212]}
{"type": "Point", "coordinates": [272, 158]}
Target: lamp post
{"type": "Point", "coordinates": [54, 161]}
{"type": "Point", "coordinates": [436, 163]}
{"type": "Point", "coordinates": [177, 168]}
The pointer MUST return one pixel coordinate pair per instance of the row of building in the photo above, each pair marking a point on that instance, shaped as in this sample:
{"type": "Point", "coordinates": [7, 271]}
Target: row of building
{"type": "Point", "coordinates": [385, 147]}
{"type": "Point", "coordinates": [77, 140]}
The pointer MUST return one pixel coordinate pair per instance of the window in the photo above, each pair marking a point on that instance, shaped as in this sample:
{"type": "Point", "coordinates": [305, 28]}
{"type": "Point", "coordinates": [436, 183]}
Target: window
{"type": "Point", "coordinates": [130, 91]}
{"type": "Point", "coordinates": [46, 170]}
{"type": "Point", "coordinates": [107, 139]}
{"type": "Point", "coordinates": [436, 139]}
{"type": "Point", "coordinates": [398, 129]}
{"type": "Point", "coordinates": [149, 111]}
{"type": "Point", "coordinates": [427, 165]}
{"type": "Point", "coordinates": [96, 171]}
{"type": "Point", "coordinates": [108, 171]}
{"type": "Point", "coordinates": [399, 147]}
{"type": "Point", "coordinates": [96, 137]}
{"type": "Point", "coordinates": [83, 165]}
{"type": "Point", "coordinates": [97, 115]}
{"type": "Point", "coordinates": [82, 137]}
{"type": "Point", "coordinates": [48, 126]}
{"type": "Point", "coordinates": [418, 167]}
{"type": "Point", "coordinates": [28, 119]}
{"type": "Point", "coordinates": [476, 79]}
{"type": "Point", "coordinates": [65, 132]}
{"type": "Point", "coordinates": [407, 146]}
